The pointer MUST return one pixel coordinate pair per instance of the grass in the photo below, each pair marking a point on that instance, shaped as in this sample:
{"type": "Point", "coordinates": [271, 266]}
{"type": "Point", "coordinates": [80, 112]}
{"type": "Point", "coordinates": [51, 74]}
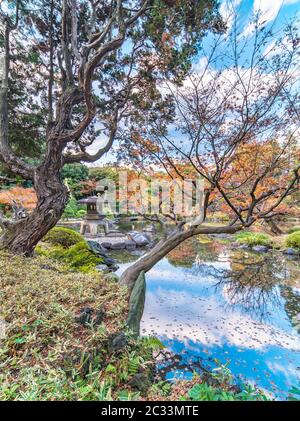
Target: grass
{"type": "Point", "coordinates": [253, 239]}
{"type": "Point", "coordinates": [46, 355]}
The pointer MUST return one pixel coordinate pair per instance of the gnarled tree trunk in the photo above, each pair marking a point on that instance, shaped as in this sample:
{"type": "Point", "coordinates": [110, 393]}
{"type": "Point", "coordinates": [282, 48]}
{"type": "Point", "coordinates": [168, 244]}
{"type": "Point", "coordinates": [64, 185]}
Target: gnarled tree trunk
{"type": "Point", "coordinates": [21, 237]}
{"type": "Point", "coordinates": [163, 247]}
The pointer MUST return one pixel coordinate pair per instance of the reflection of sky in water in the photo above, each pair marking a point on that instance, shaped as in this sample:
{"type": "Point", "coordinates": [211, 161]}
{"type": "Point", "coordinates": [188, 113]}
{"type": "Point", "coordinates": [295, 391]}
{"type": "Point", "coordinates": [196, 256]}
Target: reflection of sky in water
{"type": "Point", "coordinates": [198, 321]}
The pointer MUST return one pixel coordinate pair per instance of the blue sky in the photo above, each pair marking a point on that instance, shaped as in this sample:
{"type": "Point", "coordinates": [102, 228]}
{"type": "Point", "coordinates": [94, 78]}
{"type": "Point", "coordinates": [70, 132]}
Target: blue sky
{"type": "Point", "coordinates": [279, 10]}
{"type": "Point", "coordinates": [275, 13]}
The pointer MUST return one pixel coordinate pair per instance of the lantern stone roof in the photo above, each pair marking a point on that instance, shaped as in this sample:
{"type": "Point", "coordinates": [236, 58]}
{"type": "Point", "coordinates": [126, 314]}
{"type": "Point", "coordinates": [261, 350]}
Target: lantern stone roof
{"type": "Point", "coordinates": [88, 200]}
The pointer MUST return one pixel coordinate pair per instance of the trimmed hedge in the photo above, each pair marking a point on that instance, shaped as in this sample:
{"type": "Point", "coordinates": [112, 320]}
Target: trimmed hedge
{"type": "Point", "coordinates": [65, 237]}
{"type": "Point", "coordinates": [293, 229]}
{"type": "Point", "coordinates": [293, 240]}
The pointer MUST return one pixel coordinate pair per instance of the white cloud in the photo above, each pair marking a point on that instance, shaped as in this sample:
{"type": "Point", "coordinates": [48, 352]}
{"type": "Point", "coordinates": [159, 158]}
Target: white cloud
{"type": "Point", "coordinates": [193, 319]}
{"type": "Point", "coordinates": [269, 10]}
{"type": "Point", "coordinates": [227, 10]}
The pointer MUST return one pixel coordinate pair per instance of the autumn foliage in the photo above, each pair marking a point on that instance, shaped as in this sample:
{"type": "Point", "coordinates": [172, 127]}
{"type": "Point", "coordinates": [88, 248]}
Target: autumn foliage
{"type": "Point", "coordinates": [25, 197]}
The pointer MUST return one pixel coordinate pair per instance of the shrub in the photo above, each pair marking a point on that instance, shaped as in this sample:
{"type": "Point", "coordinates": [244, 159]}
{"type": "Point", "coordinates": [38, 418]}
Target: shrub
{"type": "Point", "coordinates": [78, 258]}
{"type": "Point", "coordinates": [81, 258]}
{"type": "Point", "coordinates": [73, 210]}
{"type": "Point", "coordinates": [293, 240]}
{"type": "Point", "coordinates": [80, 213]}
{"type": "Point", "coordinates": [293, 229]}
{"type": "Point", "coordinates": [70, 209]}
{"type": "Point", "coordinates": [253, 239]}
{"type": "Point", "coordinates": [65, 237]}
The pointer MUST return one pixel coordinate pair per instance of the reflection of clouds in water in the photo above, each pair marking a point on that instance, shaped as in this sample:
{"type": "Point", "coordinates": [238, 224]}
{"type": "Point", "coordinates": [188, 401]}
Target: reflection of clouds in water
{"type": "Point", "coordinates": [253, 299]}
{"type": "Point", "coordinates": [214, 309]}
{"type": "Point", "coordinates": [167, 275]}
{"type": "Point", "coordinates": [221, 263]}
{"type": "Point", "coordinates": [286, 370]}
{"type": "Point", "coordinates": [233, 297]}
{"type": "Point", "coordinates": [198, 274]}
{"type": "Point", "coordinates": [188, 317]}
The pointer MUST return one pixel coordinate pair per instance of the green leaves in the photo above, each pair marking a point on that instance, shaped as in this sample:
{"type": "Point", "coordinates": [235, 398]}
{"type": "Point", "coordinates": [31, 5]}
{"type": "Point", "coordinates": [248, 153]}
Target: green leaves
{"type": "Point", "coordinates": [296, 392]}
{"type": "Point", "coordinates": [20, 340]}
{"type": "Point", "coordinates": [110, 369]}
{"type": "Point", "coordinates": [33, 57]}
{"type": "Point", "coordinates": [153, 342]}
{"type": "Point", "coordinates": [204, 392]}
{"type": "Point", "coordinates": [126, 395]}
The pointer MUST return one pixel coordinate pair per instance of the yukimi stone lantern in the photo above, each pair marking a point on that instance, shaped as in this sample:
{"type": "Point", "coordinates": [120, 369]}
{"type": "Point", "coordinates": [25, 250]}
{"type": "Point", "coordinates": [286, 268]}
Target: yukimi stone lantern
{"type": "Point", "coordinates": [95, 224]}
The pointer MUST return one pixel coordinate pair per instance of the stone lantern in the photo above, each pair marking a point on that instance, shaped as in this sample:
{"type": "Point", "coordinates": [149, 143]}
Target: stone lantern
{"type": "Point", "coordinates": [94, 223]}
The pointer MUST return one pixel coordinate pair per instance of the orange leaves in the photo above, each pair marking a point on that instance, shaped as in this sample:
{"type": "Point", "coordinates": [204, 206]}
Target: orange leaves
{"type": "Point", "coordinates": [22, 196]}
{"type": "Point", "coordinates": [258, 171]}
{"type": "Point", "coordinates": [165, 38]}
{"type": "Point", "coordinates": [141, 143]}
{"type": "Point", "coordinates": [88, 187]}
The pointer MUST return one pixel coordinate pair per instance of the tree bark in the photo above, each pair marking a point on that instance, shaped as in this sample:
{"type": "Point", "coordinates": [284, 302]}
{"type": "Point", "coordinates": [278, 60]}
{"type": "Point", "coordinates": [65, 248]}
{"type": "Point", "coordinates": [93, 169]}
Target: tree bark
{"type": "Point", "coordinates": [274, 227]}
{"type": "Point", "coordinates": [21, 237]}
{"type": "Point", "coordinates": [164, 246]}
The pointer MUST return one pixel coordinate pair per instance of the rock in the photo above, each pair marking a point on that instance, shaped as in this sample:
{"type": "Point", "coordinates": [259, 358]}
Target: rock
{"type": "Point", "coordinates": [149, 228]}
{"type": "Point", "coordinates": [243, 247]}
{"type": "Point", "coordinates": [260, 249]}
{"type": "Point", "coordinates": [113, 268]}
{"type": "Point", "coordinates": [115, 233]}
{"type": "Point", "coordinates": [109, 261]}
{"type": "Point", "coordinates": [291, 252]}
{"type": "Point", "coordinates": [130, 245]}
{"type": "Point", "coordinates": [97, 248]}
{"type": "Point", "coordinates": [118, 342]}
{"type": "Point", "coordinates": [140, 382]}
{"type": "Point", "coordinates": [150, 245]}
{"type": "Point", "coordinates": [137, 304]}
{"type": "Point", "coordinates": [102, 268]}
{"type": "Point", "coordinates": [85, 316]}
{"type": "Point", "coordinates": [106, 244]}
{"type": "Point", "coordinates": [112, 277]}
{"type": "Point", "coordinates": [147, 236]}
{"type": "Point", "coordinates": [141, 240]}
{"type": "Point", "coordinates": [120, 245]}
{"type": "Point", "coordinates": [137, 252]}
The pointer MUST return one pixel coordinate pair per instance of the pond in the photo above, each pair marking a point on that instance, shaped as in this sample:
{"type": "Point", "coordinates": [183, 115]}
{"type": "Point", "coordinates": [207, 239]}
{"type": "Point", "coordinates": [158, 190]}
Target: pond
{"type": "Point", "coordinates": [208, 302]}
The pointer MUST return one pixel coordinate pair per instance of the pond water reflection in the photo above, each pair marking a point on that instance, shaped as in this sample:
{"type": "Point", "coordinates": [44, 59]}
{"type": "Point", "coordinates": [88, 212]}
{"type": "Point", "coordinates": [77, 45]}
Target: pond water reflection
{"type": "Point", "coordinates": [207, 302]}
